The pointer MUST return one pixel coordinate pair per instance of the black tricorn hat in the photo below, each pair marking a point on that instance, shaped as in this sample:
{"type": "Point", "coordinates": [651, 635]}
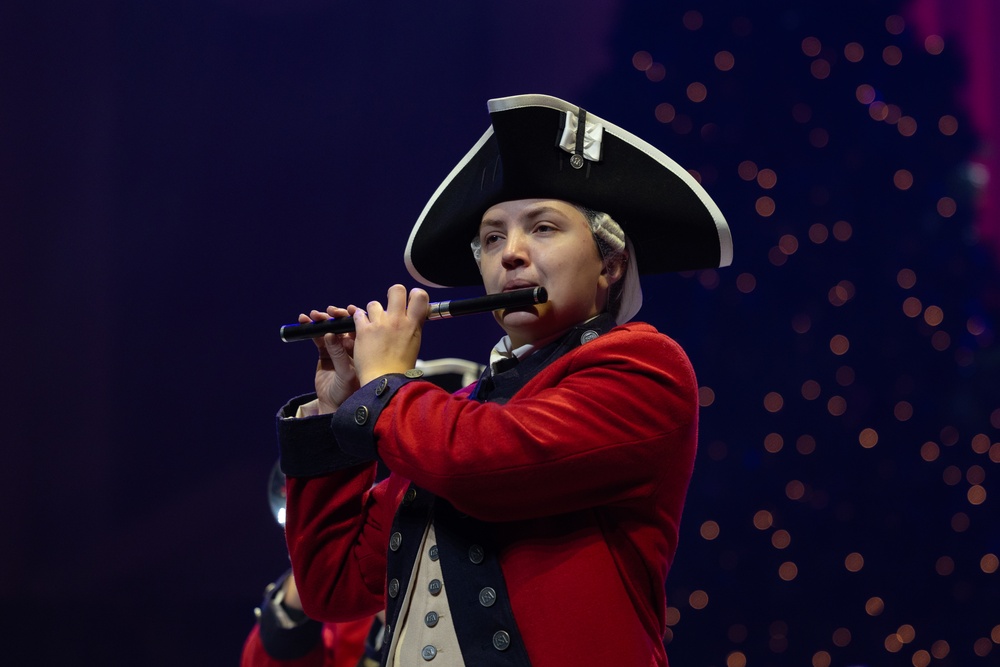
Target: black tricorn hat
{"type": "Point", "coordinates": [533, 150]}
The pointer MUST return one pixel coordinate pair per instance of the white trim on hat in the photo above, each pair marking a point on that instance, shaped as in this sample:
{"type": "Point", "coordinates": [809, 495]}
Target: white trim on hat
{"type": "Point", "coordinates": [430, 202]}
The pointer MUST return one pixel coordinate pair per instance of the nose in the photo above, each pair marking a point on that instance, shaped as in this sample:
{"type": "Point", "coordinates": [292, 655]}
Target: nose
{"type": "Point", "coordinates": [515, 250]}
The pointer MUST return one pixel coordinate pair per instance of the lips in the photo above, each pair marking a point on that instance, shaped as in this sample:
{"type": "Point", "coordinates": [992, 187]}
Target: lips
{"type": "Point", "coordinates": [517, 284]}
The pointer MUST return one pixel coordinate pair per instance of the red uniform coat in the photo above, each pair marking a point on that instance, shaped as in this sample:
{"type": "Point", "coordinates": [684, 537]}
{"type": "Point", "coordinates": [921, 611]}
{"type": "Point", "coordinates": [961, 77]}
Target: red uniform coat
{"type": "Point", "coordinates": [581, 476]}
{"type": "Point", "coordinates": [340, 645]}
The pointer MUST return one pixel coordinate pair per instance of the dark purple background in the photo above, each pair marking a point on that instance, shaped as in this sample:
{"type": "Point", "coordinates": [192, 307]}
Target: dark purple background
{"type": "Point", "coordinates": [179, 179]}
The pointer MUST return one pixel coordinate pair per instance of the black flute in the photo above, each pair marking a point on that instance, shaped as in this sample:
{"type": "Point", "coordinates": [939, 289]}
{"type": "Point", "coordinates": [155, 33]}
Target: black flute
{"type": "Point", "coordinates": [435, 311]}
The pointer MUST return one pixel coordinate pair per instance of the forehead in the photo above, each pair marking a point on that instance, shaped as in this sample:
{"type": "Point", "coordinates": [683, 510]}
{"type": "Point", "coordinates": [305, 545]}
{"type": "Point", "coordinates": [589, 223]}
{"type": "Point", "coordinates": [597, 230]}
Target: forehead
{"type": "Point", "coordinates": [529, 209]}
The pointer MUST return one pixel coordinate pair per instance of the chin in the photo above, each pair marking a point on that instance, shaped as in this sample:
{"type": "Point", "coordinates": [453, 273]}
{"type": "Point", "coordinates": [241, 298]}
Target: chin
{"type": "Point", "coordinates": [518, 318]}
{"type": "Point", "coordinates": [519, 324]}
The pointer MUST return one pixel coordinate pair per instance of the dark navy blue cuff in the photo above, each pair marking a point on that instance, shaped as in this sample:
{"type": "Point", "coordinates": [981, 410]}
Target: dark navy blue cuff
{"type": "Point", "coordinates": [308, 446]}
{"type": "Point", "coordinates": [287, 643]}
{"type": "Point", "coordinates": [353, 424]}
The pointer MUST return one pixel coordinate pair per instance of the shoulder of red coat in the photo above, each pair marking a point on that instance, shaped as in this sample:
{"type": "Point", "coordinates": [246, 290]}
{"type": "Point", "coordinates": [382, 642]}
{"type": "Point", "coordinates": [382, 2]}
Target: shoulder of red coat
{"type": "Point", "coordinates": [640, 330]}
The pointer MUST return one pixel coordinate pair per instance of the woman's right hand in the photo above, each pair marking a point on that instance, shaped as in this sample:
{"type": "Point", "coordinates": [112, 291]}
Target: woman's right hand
{"type": "Point", "coordinates": [336, 378]}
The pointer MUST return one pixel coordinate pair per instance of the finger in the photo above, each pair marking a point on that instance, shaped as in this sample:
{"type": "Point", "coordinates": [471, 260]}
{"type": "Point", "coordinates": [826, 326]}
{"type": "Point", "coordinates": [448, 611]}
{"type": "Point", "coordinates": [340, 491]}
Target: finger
{"type": "Point", "coordinates": [416, 311]}
{"type": "Point", "coordinates": [306, 319]}
{"type": "Point", "coordinates": [340, 359]}
{"type": "Point", "coordinates": [332, 346]}
{"type": "Point", "coordinates": [336, 311]}
{"type": "Point", "coordinates": [360, 320]}
{"type": "Point", "coordinates": [375, 311]}
{"type": "Point", "coordinates": [396, 300]}
{"type": "Point", "coordinates": [324, 345]}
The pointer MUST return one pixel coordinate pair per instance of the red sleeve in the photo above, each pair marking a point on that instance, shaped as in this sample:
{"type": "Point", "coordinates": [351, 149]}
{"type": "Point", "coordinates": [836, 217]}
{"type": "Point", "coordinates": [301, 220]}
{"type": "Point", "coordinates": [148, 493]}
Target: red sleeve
{"type": "Point", "coordinates": [345, 642]}
{"type": "Point", "coordinates": [596, 427]}
{"type": "Point", "coordinates": [337, 531]}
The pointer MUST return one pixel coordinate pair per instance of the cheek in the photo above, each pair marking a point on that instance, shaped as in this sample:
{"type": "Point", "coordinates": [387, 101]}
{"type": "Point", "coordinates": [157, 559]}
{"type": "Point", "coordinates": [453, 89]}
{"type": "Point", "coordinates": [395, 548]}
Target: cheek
{"type": "Point", "coordinates": [576, 281]}
{"type": "Point", "coordinates": [488, 270]}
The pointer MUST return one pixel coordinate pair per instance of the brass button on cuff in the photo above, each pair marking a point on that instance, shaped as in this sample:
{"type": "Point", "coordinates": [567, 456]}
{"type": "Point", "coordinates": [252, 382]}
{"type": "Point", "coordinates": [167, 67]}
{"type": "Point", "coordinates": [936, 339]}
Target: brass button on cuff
{"type": "Point", "coordinates": [361, 416]}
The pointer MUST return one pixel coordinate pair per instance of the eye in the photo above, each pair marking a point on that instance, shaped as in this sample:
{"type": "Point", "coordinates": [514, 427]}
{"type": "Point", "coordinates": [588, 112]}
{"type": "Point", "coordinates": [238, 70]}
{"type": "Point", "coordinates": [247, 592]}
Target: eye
{"type": "Point", "coordinates": [490, 239]}
{"type": "Point", "coordinates": [545, 227]}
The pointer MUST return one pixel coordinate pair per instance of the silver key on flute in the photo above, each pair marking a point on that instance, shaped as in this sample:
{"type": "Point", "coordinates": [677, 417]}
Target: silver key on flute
{"type": "Point", "coordinates": [435, 311]}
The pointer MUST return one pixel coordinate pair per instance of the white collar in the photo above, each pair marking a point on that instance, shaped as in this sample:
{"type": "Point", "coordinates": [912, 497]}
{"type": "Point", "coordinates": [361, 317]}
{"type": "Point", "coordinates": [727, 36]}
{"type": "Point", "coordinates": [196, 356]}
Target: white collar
{"type": "Point", "coordinates": [502, 350]}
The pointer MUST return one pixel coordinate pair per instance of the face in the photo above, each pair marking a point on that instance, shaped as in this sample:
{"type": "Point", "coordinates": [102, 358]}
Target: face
{"type": "Point", "coordinates": [547, 243]}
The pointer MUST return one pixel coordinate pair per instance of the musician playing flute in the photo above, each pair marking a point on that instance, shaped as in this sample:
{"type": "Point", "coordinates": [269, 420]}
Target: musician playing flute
{"type": "Point", "coordinates": [531, 518]}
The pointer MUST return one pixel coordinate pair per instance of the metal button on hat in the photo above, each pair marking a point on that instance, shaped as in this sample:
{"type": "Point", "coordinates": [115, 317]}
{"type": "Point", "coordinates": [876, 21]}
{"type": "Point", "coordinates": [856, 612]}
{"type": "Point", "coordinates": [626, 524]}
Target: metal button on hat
{"type": "Point", "coordinates": [501, 640]}
{"type": "Point", "coordinates": [395, 541]}
{"type": "Point", "coordinates": [428, 652]}
{"type": "Point", "coordinates": [361, 416]}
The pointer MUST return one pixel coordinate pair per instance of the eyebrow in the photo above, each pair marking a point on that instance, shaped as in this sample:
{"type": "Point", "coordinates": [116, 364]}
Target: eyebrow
{"type": "Point", "coordinates": [531, 214]}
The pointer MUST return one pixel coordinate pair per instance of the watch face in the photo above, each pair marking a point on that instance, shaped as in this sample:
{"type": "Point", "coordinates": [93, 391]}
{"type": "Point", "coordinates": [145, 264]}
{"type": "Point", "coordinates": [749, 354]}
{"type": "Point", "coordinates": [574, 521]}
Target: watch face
{"type": "Point", "coordinates": [276, 493]}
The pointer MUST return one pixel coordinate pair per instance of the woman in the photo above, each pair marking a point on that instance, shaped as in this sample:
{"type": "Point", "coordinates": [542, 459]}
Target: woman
{"type": "Point", "coordinates": [530, 519]}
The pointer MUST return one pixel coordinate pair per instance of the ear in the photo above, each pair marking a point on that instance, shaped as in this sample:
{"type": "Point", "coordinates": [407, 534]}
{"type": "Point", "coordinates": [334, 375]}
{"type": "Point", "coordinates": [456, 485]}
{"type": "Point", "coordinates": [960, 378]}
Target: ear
{"type": "Point", "coordinates": [614, 270]}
